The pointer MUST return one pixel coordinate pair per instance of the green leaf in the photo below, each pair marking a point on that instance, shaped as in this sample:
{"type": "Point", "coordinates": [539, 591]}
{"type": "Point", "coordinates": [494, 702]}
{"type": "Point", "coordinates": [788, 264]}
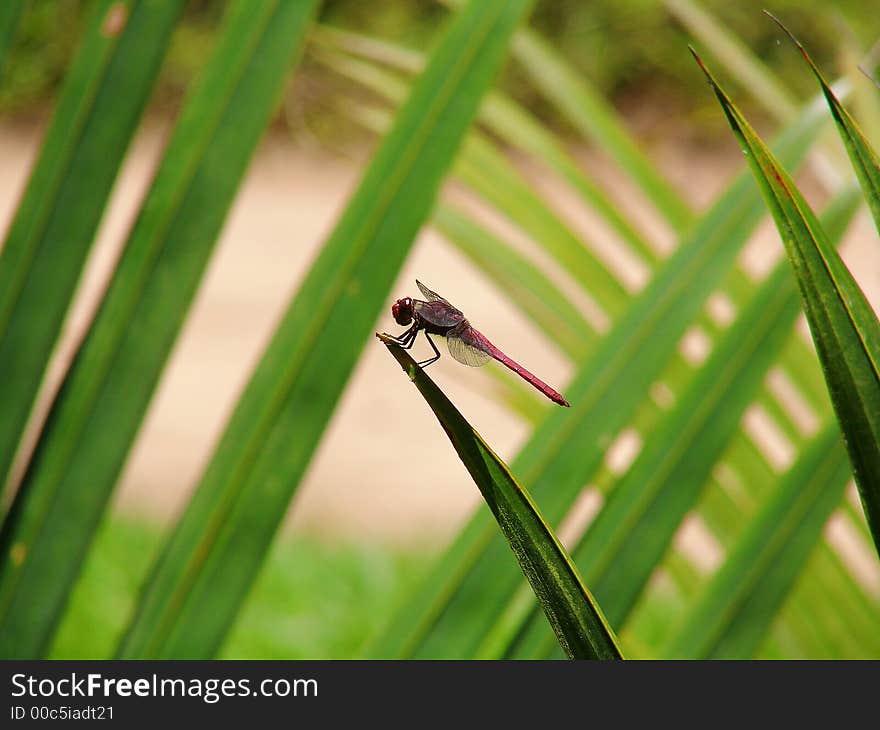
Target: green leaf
{"type": "Point", "coordinates": [862, 156]}
{"type": "Point", "coordinates": [516, 126]}
{"type": "Point", "coordinates": [522, 132]}
{"type": "Point", "coordinates": [96, 415]}
{"type": "Point", "coordinates": [740, 61]}
{"type": "Point", "coordinates": [488, 172]}
{"type": "Point", "coordinates": [470, 586]}
{"type": "Point", "coordinates": [517, 129]}
{"type": "Point", "coordinates": [577, 620]}
{"type": "Point", "coordinates": [628, 538]}
{"type": "Point", "coordinates": [728, 508]}
{"type": "Point", "coordinates": [593, 116]}
{"type": "Point", "coordinates": [848, 629]}
{"type": "Point", "coordinates": [519, 279]}
{"type": "Point", "coordinates": [54, 226]}
{"type": "Point", "coordinates": [211, 560]}
{"type": "Point", "coordinates": [587, 110]}
{"type": "Point", "coordinates": [844, 327]}
{"type": "Point", "coordinates": [737, 607]}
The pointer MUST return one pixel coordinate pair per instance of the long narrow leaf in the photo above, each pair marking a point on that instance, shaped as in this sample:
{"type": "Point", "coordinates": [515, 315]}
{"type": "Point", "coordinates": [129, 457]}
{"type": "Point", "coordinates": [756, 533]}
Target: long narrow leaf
{"type": "Point", "coordinates": [736, 609]}
{"type": "Point", "coordinates": [580, 627]}
{"type": "Point", "coordinates": [862, 156]}
{"type": "Point", "coordinates": [210, 562]}
{"type": "Point", "coordinates": [52, 232]}
{"type": "Point", "coordinates": [585, 108]}
{"type": "Point", "coordinates": [95, 417]}
{"type": "Point", "coordinates": [742, 63]}
{"type": "Point", "coordinates": [593, 116]}
{"type": "Point", "coordinates": [488, 172]}
{"type": "Point", "coordinates": [515, 125]}
{"type": "Point", "coordinates": [844, 327]}
{"type": "Point", "coordinates": [450, 614]}
{"type": "Point", "coordinates": [532, 292]}
{"type": "Point", "coordinates": [742, 288]}
{"type": "Point", "coordinates": [626, 541]}
{"type": "Point", "coordinates": [517, 128]}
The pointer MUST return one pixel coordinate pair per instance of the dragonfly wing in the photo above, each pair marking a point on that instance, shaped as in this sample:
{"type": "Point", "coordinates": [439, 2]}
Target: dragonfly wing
{"type": "Point", "coordinates": [436, 309]}
{"type": "Point", "coordinates": [467, 346]}
{"type": "Point", "coordinates": [430, 295]}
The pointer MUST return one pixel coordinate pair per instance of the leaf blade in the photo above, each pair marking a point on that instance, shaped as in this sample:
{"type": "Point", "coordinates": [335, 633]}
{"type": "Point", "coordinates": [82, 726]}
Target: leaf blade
{"type": "Point", "coordinates": [52, 232]}
{"type": "Point", "coordinates": [441, 620]}
{"type": "Point", "coordinates": [735, 610]}
{"type": "Point", "coordinates": [576, 618]}
{"type": "Point", "coordinates": [862, 156]}
{"type": "Point", "coordinates": [842, 323]}
{"type": "Point", "coordinates": [592, 116]}
{"type": "Point", "coordinates": [95, 417]}
{"type": "Point", "coordinates": [630, 535]}
{"type": "Point", "coordinates": [270, 438]}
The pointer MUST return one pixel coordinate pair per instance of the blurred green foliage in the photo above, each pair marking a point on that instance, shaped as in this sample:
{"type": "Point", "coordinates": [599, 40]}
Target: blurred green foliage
{"type": "Point", "coordinates": [41, 51]}
{"type": "Point", "coordinates": [624, 46]}
{"type": "Point", "coordinates": [313, 599]}
{"type": "Point", "coordinates": [627, 48]}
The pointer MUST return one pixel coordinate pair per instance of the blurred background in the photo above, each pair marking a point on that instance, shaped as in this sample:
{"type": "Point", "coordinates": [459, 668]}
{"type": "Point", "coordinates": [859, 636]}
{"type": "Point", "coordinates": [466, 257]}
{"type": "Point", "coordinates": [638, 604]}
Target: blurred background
{"type": "Point", "coordinates": [385, 493]}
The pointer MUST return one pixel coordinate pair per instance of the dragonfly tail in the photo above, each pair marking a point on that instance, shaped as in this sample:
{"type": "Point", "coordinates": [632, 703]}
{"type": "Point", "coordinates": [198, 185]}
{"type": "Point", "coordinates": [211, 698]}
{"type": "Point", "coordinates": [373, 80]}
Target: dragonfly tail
{"type": "Point", "coordinates": [534, 380]}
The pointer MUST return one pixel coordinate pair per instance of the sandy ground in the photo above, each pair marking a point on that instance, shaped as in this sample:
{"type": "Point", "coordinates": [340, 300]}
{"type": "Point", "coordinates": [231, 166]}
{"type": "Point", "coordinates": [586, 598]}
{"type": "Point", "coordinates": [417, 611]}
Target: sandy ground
{"type": "Point", "coordinates": [384, 468]}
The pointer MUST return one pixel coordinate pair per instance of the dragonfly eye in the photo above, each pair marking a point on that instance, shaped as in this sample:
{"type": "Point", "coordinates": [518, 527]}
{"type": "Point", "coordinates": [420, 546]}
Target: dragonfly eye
{"type": "Point", "coordinates": [402, 311]}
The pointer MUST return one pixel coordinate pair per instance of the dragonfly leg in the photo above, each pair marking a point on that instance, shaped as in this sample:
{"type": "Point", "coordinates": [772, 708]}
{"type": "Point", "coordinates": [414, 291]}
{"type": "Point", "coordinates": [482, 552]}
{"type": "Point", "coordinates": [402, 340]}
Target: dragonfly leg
{"type": "Point", "coordinates": [406, 339]}
{"type": "Point", "coordinates": [424, 363]}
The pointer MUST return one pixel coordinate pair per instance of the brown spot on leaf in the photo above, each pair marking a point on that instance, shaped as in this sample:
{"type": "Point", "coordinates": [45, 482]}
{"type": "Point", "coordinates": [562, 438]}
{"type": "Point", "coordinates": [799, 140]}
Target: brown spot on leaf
{"type": "Point", "coordinates": [115, 20]}
{"type": "Point", "coordinates": [17, 553]}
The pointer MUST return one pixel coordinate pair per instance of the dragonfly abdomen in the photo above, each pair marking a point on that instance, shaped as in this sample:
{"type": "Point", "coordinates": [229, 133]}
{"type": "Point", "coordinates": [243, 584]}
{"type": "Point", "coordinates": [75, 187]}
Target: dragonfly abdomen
{"type": "Point", "coordinates": [534, 380]}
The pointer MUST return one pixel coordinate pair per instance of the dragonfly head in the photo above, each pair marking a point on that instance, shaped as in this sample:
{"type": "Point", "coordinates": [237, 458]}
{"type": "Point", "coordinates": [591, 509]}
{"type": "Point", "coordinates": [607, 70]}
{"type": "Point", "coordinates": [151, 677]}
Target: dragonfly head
{"type": "Point", "coordinates": [402, 310]}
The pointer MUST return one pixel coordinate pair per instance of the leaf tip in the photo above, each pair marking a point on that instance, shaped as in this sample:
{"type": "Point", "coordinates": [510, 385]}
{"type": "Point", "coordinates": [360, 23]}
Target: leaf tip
{"type": "Point", "coordinates": [713, 84]}
{"type": "Point", "coordinates": [702, 66]}
{"type": "Point", "coordinates": [389, 342]}
{"type": "Point", "coordinates": [800, 47]}
{"type": "Point", "coordinates": [785, 30]}
{"type": "Point", "coordinates": [737, 122]}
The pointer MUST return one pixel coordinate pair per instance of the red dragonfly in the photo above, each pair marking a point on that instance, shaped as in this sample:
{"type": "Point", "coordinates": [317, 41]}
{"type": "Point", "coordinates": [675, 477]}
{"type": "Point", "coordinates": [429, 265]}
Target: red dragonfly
{"type": "Point", "coordinates": [436, 316]}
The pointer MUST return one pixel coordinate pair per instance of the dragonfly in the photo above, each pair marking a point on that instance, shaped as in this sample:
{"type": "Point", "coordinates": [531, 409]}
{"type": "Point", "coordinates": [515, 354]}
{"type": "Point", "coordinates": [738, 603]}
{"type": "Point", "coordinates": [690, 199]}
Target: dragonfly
{"type": "Point", "coordinates": [436, 316]}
